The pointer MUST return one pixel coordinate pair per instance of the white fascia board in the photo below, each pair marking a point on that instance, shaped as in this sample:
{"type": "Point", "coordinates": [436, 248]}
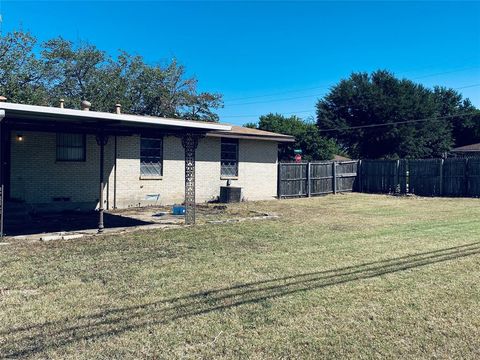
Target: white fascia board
{"type": "Point", "coordinates": [133, 119]}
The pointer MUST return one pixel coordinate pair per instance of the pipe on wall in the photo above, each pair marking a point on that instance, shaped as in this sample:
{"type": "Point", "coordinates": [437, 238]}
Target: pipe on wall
{"type": "Point", "coordinates": [2, 187]}
{"type": "Point", "coordinates": [115, 175]}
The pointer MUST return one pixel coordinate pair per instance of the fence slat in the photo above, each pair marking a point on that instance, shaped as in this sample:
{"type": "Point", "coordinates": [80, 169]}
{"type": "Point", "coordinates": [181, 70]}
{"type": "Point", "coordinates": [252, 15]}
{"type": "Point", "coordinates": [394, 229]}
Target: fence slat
{"type": "Point", "coordinates": [379, 176]}
{"type": "Point", "coordinates": [473, 171]}
{"type": "Point", "coordinates": [424, 177]}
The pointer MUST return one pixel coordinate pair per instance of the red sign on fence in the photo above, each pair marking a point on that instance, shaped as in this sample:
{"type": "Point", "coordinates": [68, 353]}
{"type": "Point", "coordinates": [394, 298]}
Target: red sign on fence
{"type": "Point", "coordinates": [298, 158]}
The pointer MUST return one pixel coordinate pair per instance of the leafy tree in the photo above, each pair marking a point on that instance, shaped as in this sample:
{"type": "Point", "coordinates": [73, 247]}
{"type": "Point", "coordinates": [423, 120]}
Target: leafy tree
{"type": "Point", "coordinates": [465, 129]}
{"type": "Point", "coordinates": [199, 106]}
{"type": "Point", "coordinates": [251, 125]}
{"type": "Point", "coordinates": [21, 73]}
{"type": "Point", "coordinates": [355, 109]}
{"type": "Point", "coordinates": [76, 74]}
{"type": "Point", "coordinates": [308, 139]}
{"type": "Point", "coordinates": [81, 71]}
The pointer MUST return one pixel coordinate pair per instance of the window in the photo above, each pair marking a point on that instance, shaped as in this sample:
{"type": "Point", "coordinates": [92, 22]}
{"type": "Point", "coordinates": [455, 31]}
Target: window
{"type": "Point", "coordinates": [71, 147]}
{"type": "Point", "coordinates": [151, 157]}
{"type": "Point", "coordinates": [229, 158]}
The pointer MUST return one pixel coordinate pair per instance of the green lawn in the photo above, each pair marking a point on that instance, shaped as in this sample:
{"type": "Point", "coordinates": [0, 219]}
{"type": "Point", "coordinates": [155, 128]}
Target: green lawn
{"type": "Point", "coordinates": [355, 276]}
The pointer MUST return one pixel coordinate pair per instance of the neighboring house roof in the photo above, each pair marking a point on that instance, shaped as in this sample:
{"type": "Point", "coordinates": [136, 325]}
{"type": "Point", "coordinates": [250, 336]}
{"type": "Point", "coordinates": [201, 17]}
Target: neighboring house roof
{"type": "Point", "coordinates": [340, 158]}
{"type": "Point", "coordinates": [34, 112]}
{"type": "Point", "coordinates": [468, 148]}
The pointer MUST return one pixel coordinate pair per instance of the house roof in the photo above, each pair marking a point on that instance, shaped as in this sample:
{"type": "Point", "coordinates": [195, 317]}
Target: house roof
{"type": "Point", "coordinates": [240, 132]}
{"type": "Point", "coordinates": [468, 148]}
{"type": "Point", "coordinates": [36, 113]}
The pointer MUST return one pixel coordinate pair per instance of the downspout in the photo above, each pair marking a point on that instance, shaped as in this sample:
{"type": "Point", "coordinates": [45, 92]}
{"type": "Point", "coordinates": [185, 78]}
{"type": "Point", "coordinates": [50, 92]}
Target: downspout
{"type": "Point", "coordinates": [115, 175]}
{"type": "Point", "coordinates": [2, 187]}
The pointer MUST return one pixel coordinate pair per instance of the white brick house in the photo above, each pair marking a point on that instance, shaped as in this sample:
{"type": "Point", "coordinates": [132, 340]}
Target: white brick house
{"type": "Point", "coordinates": [51, 159]}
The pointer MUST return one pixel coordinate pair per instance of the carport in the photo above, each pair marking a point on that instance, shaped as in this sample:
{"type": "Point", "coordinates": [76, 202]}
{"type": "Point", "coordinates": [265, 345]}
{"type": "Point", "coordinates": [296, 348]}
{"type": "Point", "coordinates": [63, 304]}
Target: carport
{"type": "Point", "coordinates": [104, 126]}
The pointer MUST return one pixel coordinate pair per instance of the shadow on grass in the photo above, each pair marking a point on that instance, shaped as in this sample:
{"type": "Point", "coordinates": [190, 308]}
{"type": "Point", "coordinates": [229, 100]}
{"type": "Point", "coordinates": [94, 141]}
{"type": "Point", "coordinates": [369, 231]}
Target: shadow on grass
{"type": "Point", "coordinates": [31, 340]}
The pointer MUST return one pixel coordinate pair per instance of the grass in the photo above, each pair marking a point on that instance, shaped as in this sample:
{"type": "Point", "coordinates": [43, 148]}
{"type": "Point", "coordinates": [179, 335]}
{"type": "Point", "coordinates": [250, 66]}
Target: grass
{"type": "Point", "coordinates": [356, 276]}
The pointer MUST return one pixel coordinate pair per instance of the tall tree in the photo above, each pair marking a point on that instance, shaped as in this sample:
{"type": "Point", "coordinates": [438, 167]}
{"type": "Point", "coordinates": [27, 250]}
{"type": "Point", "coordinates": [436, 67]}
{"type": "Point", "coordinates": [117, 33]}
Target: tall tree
{"type": "Point", "coordinates": [465, 129]}
{"type": "Point", "coordinates": [307, 137]}
{"type": "Point", "coordinates": [76, 73]}
{"type": "Point", "coordinates": [378, 116]}
{"type": "Point", "coordinates": [21, 73]}
{"type": "Point", "coordinates": [81, 71]}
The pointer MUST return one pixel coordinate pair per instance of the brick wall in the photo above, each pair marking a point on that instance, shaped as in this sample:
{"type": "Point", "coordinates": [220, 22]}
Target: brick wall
{"type": "Point", "coordinates": [37, 178]}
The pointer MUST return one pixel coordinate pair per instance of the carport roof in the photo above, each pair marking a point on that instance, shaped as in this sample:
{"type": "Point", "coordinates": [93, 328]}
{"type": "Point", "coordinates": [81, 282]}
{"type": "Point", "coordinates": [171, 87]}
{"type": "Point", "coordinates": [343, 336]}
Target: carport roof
{"type": "Point", "coordinates": [33, 112]}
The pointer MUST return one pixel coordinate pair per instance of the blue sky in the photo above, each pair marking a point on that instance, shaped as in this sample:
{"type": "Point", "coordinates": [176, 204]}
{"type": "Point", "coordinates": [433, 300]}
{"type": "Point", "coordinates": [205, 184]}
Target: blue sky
{"type": "Point", "coordinates": [274, 56]}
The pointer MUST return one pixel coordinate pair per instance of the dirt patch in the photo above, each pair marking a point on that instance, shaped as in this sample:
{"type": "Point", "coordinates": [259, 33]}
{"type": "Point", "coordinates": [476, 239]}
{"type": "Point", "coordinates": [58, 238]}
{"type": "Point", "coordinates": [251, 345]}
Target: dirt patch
{"type": "Point", "coordinates": [205, 213]}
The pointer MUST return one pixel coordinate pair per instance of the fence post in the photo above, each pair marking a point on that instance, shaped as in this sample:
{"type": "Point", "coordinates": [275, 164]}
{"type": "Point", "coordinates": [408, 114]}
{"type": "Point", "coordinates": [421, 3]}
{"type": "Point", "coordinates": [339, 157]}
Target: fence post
{"type": "Point", "coordinates": [407, 176]}
{"type": "Point", "coordinates": [403, 176]}
{"type": "Point", "coordinates": [467, 178]}
{"type": "Point", "coordinates": [279, 181]}
{"type": "Point", "coordinates": [309, 176]}
{"type": "Point", "coordinates": [334, 177]}
{"type": "Point", "coordinates": [359, 176]}
{"type": "Point", "coordinates": [396, 188]}
{"type": "Point", "coordinates": [440, 189]}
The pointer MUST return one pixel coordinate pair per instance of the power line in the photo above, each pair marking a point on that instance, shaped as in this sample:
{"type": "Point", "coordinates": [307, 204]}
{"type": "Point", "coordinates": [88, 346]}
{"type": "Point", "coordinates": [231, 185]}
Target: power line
{"type": "Point", "coordinates": [444, 73]}
{"type": "Point", "coordinates": [276, 100]}
{"type": "Point", "coordinates": [466, 86]}
{"type": "Point", "coordinates": [307, 96]}
{"type": "Point", "coordinates": [309, 111]}
{"type": "Point", "coordinates": [396, 123]}
{"type": "Point", "coordinates": [321, 87]}
{"type": "Point", "coordinates": [256, 115]}
{"type": "Point", "coordinates": [277, 93]}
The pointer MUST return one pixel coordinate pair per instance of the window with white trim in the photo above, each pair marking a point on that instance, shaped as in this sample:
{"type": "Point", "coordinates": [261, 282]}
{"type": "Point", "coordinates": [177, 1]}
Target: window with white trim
{"type": "Point", "coordinates": [151, 157]}
{"type": "Point", "coordinates": [71, 147]}
{"type": "Point", "coordinates": [229, 158]}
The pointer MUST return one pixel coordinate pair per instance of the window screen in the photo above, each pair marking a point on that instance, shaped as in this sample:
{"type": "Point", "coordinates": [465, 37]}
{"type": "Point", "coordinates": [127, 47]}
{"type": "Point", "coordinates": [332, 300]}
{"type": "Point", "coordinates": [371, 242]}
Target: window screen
{"type": "Point", "coordinates": [71, 147]}
{"type": "Point", "coordinates": [229, 158]}
{"type": "Point", "coordinates": [151, 157]}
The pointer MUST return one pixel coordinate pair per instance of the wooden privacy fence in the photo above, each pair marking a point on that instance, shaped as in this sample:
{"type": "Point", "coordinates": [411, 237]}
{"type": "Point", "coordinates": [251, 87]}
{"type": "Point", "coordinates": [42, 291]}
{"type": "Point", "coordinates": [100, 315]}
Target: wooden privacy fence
{"type": "Point", "coordinates": [428, 177]}
{"type": "Point", "coordinates": [316, 178]}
